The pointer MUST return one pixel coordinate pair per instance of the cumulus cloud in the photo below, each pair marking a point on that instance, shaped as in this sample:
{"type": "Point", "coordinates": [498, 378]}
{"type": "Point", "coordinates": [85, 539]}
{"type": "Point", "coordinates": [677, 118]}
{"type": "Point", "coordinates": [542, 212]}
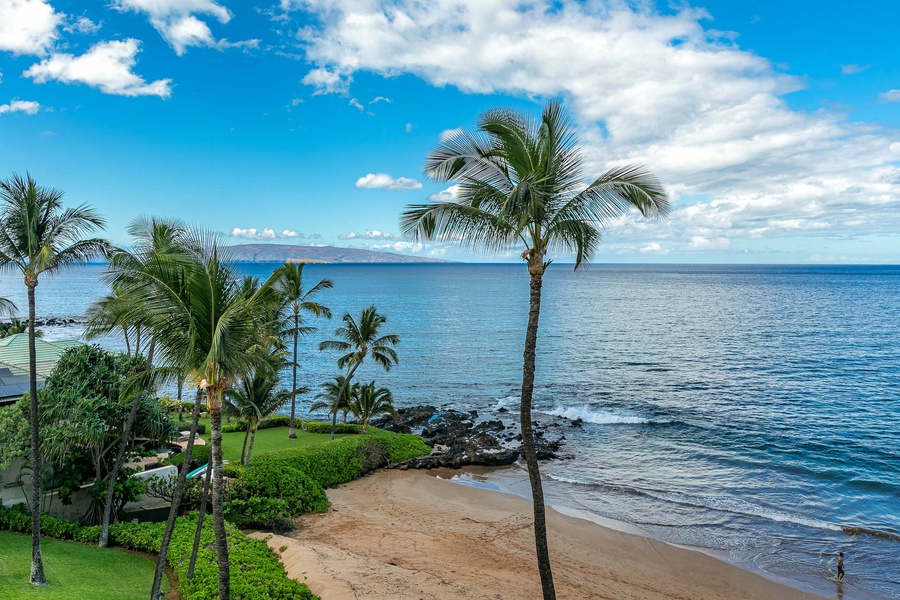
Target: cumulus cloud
{"type": "Point", "coordinates": [372, 234]}
{"type": "Point", "coordinates": [28, 26]}
{"type": "Point", "coordinates": [107, 66]}
{"type": "Point", "coordinates": [252, 233]}
{"type": "Point", "coordinates": [447, 195]}
{"type": "Point", "coordinates": [82, 25]}
{"type": "Point", "coordinates": [853, 69]}
{"type": "Point", "coordinates": [28, 107]}
{"type": "Point", "coordinates": [327, 81]}
{"type": "Point", "coordinates": [384, 181]}
{"type": "Point", "coordinates": [177, 22]}
{"type": "Point", "coordinates": [662, 90]}
{"type": "Point", "coordinates": [287, 233]}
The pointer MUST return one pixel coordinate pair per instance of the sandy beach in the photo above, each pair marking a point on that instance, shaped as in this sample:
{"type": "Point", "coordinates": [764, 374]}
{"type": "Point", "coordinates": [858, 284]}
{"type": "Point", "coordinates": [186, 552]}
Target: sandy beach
{"type": "Point", "coordinates": [409, 535]}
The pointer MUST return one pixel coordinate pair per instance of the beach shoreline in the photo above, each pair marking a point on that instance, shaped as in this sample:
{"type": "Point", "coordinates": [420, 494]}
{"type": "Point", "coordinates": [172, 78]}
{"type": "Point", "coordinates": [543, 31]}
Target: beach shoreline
{"type": "Point", "coordinates": [413, 534]}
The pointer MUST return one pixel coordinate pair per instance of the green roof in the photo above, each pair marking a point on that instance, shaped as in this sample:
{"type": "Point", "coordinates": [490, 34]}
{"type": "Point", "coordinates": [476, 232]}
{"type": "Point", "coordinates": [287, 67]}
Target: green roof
{"type": "Point", "coordinates": [14, 357]}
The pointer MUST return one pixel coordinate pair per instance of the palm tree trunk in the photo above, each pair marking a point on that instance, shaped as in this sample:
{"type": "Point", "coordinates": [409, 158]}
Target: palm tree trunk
{"type": "Point", "coordinates": [250, 447]}
{"type": "Point", "coordinates": [534, 474]}
{"type": "Point", "coordinates": [37, 561]}
{"type": "Point", "coordinates": [293, 433]}
{"type": "Point", "coordinates": [337, 401]}
{"type": "Point", "coordinates": [120, 456]}
{"type": "Point", "coordinates": [244, 448]}
{"type": "Point", "coordinates": [199, 531]}
{"type": "Point", "coordinates": [218, 499]}
{"type": "Point", "coordinates": [176, 502]}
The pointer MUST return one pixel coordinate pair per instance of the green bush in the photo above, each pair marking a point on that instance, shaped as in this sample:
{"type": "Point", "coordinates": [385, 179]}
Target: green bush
{"type": "Point", "coordinates": [268, 423]}
{"type": "Point", "coordinates": [320, 427]}
{"type": "Point", "coordinates": [267, 496]}
{"type": "Point", "coordinates": [199, 457]}
{"type": "Point", "coordinates": [233, 471]}
{"type": "Point", "coordinates": [256, 573]}
{"type": "Point", "coordinates": [186, 426]}
{"type": "Point", "coordinates": [345, 459]}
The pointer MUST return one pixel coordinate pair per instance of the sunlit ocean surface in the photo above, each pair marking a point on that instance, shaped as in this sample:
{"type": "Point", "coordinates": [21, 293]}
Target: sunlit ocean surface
{"type": "Point", "coordinates": [751, 411]}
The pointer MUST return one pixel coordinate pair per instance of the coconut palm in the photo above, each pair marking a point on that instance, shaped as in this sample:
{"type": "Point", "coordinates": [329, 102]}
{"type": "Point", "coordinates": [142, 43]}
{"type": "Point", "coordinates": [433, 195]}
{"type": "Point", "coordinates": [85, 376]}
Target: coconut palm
{"type": "Point", "coordinates": [371, 401]}
{"type": "Point", "coordinates": [331, 398]}
{"type": "Point", "coordinates": [521, 183]}
{"type": "Point", "coordinates": [154, 241]}
{"type": "Point", "coordinates": [297, 301]}
{"type": "Point", "coordinates": [254, 398]}
{"type": "Point", "coordinates": [357, 342]}
{"type": "Point", "coordinates": [207, 322]}
{"type": "Point", "coordinates": [37, 236]}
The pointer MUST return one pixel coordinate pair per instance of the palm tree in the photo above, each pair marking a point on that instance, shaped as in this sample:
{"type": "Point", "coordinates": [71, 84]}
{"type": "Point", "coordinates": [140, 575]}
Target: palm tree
{"type": "Point", "coordinates": [38, 236]}
{"type": "Point", "coordinates": [332, 399]}
{"type": "Point", "coordinates": [154, 240]}
{"type": "Point", "coordinates": [207, 322]}
{"type": "Point", "coordinates": [255, 398]}
{"type": "Point", "coordinates": [357, 341]}
{"type": "Point", "coordinates": [296, 301]}
{"type": "Point", "coordinates": [371, 401]}
{"type": "Point", "coordinates": [521, 183]}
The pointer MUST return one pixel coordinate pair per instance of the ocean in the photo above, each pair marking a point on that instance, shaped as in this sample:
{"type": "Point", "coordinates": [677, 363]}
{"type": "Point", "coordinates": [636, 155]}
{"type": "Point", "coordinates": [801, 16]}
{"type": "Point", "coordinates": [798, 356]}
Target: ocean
{"type": "Point", "coordinates": [752, 412]}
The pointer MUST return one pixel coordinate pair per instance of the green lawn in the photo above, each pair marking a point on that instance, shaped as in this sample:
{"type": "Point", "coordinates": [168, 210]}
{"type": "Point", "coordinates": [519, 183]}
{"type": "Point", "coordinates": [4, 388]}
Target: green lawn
{"type": "Point", "coordinates": [74, 571]}
{"type": "Point", "coordinates": [267, 440]}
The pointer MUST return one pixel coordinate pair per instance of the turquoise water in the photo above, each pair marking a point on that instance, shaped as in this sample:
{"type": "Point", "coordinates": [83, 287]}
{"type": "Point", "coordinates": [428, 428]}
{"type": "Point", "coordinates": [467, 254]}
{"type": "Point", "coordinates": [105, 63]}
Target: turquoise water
{"type": "Point", "coordinates": [753, 412]}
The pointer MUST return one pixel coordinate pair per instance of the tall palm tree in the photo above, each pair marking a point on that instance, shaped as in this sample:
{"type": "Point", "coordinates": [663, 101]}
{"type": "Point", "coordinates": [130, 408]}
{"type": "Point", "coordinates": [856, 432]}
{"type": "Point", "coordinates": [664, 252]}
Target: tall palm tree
{"type": "Point", "coordinates": [38, 236]}
{"type": "Point", "coordinates": [154, 240]}
{"type": "Point", "coordinates": [297, 301]}
{"type": "Point", "coordinates": [522, 183]}
{"type": "Point", "coordinates": [371, 401]}
{"type": "Point", "coordinates": [358, 341]}
{"type": "Point", "coordinates": [331, 398]}
{"type": "Point", "coordinates": [207, 322]}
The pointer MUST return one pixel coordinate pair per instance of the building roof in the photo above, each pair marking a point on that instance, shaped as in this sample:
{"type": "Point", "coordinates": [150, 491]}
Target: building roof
{"type": "Point", "coordinates": [14, 363]}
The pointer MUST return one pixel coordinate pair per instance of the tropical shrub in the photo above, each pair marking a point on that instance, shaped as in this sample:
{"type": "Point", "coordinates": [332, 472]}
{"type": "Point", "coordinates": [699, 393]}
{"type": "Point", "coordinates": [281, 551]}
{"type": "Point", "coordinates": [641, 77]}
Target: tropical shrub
{"type": "Point", "coordinates": [186, 426]}
{"type": "Point", "coordinates": [199, 457]}
{"type": "Point", "coordinates": [256, 572]}
{"type": "Point", "coordinates": [268, 495]}
{"type": "Point", "coordinates": [317, 427]}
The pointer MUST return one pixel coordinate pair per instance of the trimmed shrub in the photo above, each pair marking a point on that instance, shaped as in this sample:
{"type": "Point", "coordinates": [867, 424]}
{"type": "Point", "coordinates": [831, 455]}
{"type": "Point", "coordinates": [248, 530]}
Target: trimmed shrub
{"type": "Point", "coordinates": [320, 427]}
{"type": "Point", "coordinates": [256, 573]}
{"type": "Point", "coordinates": [186, 426]}
{"type": "Point", "coordinates": [199, 457]}
{"type": "Point", "coordinates": [267, 496]}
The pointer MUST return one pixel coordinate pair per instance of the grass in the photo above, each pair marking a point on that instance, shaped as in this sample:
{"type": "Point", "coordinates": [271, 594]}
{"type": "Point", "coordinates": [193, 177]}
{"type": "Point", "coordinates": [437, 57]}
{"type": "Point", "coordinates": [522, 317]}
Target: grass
{"type": "Point", "coordinates": [74, 571]}
{"type": "Point", "coordinates": [267, 440]}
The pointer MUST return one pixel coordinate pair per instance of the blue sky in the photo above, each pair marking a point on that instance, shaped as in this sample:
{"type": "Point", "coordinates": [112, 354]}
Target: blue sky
{"type": "Point", "coordinates": [774, 125]}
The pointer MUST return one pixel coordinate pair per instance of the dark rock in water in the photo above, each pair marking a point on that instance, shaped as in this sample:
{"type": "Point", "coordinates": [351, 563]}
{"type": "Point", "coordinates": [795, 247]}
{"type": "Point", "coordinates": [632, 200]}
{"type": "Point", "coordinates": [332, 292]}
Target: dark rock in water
{"type": "Point", "coordinates": [458, 440]}
{"type": "Point", "coordinates": [502, 409]}
{"type": "Point", "coordinates": [578, 422]}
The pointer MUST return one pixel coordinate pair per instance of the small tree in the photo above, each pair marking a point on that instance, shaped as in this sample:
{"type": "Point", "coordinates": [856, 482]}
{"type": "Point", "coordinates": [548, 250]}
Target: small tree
{"type": "Point", "coordinates": [371, 401]}
{"type": "Point", "coordinates": [331, 398]}
{"type": "Point", "coordinates": [359, 340]}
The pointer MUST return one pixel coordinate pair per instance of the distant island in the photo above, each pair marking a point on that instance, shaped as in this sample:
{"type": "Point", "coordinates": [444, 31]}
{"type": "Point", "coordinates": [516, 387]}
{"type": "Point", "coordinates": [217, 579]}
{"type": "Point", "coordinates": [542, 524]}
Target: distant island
{"type": "Point", "coordinates": [279, 253]}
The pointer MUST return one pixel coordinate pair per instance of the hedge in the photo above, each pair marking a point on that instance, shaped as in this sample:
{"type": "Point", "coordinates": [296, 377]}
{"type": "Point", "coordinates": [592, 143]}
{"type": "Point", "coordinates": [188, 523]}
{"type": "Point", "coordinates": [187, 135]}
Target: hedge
{"type": "Point", "coordinates": [256, 572]}
{"type": "Point", "coordinates": [345, 459]}
{"type": "Point", "coordinates": [199, 457]}
{"type": "Point", "coordinates": [282, 421]}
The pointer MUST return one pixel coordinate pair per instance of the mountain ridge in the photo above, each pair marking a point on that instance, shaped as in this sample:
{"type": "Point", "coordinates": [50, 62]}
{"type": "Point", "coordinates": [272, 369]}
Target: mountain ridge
{"type": "Point", "coordinates": [279, 253]}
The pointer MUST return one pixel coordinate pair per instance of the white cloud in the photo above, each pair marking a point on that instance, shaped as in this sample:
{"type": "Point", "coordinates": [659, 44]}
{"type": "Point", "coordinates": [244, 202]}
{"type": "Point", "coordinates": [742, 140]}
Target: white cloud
{"type": "Point", "coordinates": [267, 233]}
{"type": "Point", "coordinates": [378, 99]}
{"type": "Point", "coordinates": [287, 233]}
{"type": "Point", "coordinates": [653, 247]}
{"type": "Point", "coordinates": [83, 26]}
{"type": "Point", "coordinates": [409, 127]}
{"type": "Point", "coordinates": [327, 81]}
{"type": "Point", "coordinates": [450, 133]}
{"type": "Point", "coordinates": [177, 23]}
{"type": "Point", "coordinates": [296, 101]}
{"type": "Point", "coordinates": [663, 90]}
{"type": "Point", "coordinates": [372, 234]}
{"type": "Point", "coordinates": [107, 66]}
{"type": "Point", "coordinates": [890, 96]}
{"type": "Point", "coordinates": [447, 195]}
{"type": "Point", "coordinates": [356, 104]}
{"type": "Point", "coordinates": [853, 69]}
{"type": "Point", "coordinates": [384, 181]}
{"type": "Point", "coordinates": [28, 26]}
{"type": "Point", "coordinates": [29, 107]}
